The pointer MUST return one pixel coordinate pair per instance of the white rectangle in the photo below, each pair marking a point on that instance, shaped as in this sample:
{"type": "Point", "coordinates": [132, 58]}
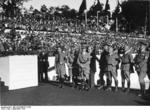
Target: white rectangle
{"type": "Point", "coordinates": [19, 71]}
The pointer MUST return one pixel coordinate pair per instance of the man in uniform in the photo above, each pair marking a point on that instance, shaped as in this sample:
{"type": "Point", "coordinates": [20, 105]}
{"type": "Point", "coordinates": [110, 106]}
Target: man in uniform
{"type": "Point", "coordinates": [60, 66]}
{"type": "Point", "coordinates": [126, 61]}
{"type": "Point", "coordinates": [43, 66]}
{"type": "Point", "coordinates": [2, 49]}
{"type": "Point", "coordinates": [92, 53]}
{"type": "Point", "coordinates": [75, 68]}
{"type": "Point", "coordinates": [70, 60]}
{"type": "Point", "coordinates": [103, 65]}
{"type": "Point", "coordinates": [84, 63]}
{"type": "Point", "coordinates": [148, 64]}
{"type": "Point", "coordinates": [141, 61]}
{"type": "Point", "coordinates": [111, 60]}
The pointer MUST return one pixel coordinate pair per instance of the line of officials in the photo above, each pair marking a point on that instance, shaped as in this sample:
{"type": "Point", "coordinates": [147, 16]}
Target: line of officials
{"type": "Point", "coordinates": [81, 63]}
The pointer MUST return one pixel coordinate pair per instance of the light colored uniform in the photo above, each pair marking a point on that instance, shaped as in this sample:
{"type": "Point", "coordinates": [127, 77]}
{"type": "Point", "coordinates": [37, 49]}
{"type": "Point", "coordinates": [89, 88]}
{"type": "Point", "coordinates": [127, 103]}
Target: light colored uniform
{"type": "Point", "coordinates": [141, 61]}
{"type": "Point", "coordinates": [111, 61]}
{"type": "Point", "coordinates": [84, 63]}
{"type": "Point", "coordinates": [60, 64]}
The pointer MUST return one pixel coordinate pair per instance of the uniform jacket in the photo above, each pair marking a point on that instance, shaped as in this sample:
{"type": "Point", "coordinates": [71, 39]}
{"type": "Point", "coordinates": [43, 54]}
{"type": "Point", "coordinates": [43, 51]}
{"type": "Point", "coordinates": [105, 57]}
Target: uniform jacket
{"type": "Point", "coordinates": [111, 61]}
{"type": "Point", "coordinates": [70, 59]}
{"type": "Point", "coordinates": [60, 59]}
{"type": "Point", "coordinates": [43, 60]}
{"type": "Point", "coordinates": [141, 61]}
{"type": "Point", "coordinates": [127, 60]}
{"type": "Point", "coordinates": [102, 61]}
{"type": "Point", "coordinates": [84, 60]}
{"type": "Point", "coordinates": [93, 61]}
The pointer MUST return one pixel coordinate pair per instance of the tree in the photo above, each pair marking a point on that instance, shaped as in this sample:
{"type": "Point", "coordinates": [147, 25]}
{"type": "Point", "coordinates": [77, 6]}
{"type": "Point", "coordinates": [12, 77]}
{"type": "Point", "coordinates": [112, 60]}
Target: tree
{"type": "Point", "coordinates": [31, 9]}
{"type": "Point", "coordinates": [117, 11]}
{"type": "Point", "coordinates": [95, 8]}
{"type": "Point", "coordinates": [135, 13]}
{"type": "Point", "coordinates": [51, 10]}
{"type": "Point", "coordinates": [37, 14]}
{"type": "Point", "coordinates": [44, 9]}
{"type": "Point", "coordinates": [44, 12]}
{"type": "Point", "coordinates": [11, 7]}
{"type": "Point", "coordinates": [65, 10]}
{"type": "Point", "coordinates": [73, 13]}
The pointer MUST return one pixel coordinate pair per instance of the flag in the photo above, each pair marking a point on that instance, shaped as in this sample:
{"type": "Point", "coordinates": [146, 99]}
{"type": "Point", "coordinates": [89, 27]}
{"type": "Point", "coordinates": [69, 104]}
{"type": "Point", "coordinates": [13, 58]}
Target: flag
{"type": "Point", "coordinates": [82, 7]}
{"type": "Point", "coordinates": [107, 7]}
{"type": "Point", "coordinates": [119, 9]}
{"type": "Point", "coordinates": [98, 6]}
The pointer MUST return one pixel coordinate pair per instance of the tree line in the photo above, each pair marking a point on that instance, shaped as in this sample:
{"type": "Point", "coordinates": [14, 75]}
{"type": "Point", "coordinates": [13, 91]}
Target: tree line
{"type": "Point", "coordinates": [132, 15]}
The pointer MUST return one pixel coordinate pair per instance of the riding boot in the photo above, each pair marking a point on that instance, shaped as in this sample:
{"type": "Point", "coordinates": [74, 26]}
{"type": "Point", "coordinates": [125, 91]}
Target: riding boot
{"type": "Point", "coordinates": [143, 91]}
{"type": "Point", "coordinates": [61, 83]}
{"type": "Point", "coordinates": [87, 85]}
{"type": "Point", "coordinates": [128, 89]}
{"type": "Point", "coordinates": [123, 88]}
{"type": "Point", "coordinates": [116, 84]}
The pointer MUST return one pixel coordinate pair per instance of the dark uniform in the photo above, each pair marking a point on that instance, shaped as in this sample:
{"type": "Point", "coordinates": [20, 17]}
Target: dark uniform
{"type": "Point", "coordinates": [2, 49]}
{"type": "Point", "coordinates": [141, 61]}
{"type": "Point", "coordinates": [43, 65]}
{"type": "Point", "coordinates": [75, 69]}
{"type": "Point", "coordinates": [92, 67]}
{"type": "Point", "coordinates": [103, 65]}
{"type": "Point", "coordinates": [127, 60]}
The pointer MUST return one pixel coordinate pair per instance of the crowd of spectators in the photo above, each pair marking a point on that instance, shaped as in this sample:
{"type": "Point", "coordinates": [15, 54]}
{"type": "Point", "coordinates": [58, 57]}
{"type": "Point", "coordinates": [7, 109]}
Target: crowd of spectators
{"type": "Point", "coordinates": [37, 34]}
{"type": "Point", "coordinates": [60, 24]}
{"type": "Point", "coordinates": [15, 42]}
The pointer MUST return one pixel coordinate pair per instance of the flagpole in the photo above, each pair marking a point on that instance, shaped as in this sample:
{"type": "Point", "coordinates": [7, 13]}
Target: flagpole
{"type": "Point", "coordinates": [149, 17]}
{"type": "Point", "coordinates": [97, 18]}
{"type": "Point", "coordinates": [85, 18]}
{"type": "Point", "coordinates": [146, 20]}
{"type": "Point", "coordinates": [107, 19]}
{"type": "Point", "coordinates": [116, 24]}
{"type": "Point", "coordinates": [145, 30]}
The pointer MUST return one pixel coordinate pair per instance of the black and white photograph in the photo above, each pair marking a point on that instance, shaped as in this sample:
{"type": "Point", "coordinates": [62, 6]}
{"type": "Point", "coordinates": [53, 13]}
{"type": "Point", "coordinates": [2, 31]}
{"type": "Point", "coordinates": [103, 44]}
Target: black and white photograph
{"type": "Point", "coordinates": [74, 53]}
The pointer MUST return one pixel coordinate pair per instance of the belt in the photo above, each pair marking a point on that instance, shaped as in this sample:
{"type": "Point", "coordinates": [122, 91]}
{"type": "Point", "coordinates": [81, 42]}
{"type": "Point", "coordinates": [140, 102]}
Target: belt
{"type": "Point", "coordinates": [43, 60]}
{"type": "Point", "coordinates": [62, 63]}
{"type": "Point", "coordinates": [125, 63]}
{"type": "Point", "coordinates": [111, 65]}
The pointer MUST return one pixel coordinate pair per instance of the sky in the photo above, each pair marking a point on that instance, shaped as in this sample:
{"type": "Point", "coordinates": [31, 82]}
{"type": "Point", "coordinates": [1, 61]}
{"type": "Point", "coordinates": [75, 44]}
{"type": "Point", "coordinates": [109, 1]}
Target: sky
{"type": "Point", "coordinates": [75, 4]}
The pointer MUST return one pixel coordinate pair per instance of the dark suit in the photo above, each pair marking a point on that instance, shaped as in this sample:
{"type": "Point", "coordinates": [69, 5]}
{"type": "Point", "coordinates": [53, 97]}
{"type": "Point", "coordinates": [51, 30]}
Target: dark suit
{"type": "Point", "coordinates": [103, 65]}
{"type": "Point", "coordinates": [43, 65]}
{"type": "Point", "coordinates": [92, 68]}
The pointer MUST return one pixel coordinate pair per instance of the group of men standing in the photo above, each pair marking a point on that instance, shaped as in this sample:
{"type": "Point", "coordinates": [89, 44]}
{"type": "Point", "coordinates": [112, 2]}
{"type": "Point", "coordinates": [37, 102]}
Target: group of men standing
{"type": "Point", "coordinates": [110, 60]}
{"type": "Point", "coordinates": [81, 65]}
